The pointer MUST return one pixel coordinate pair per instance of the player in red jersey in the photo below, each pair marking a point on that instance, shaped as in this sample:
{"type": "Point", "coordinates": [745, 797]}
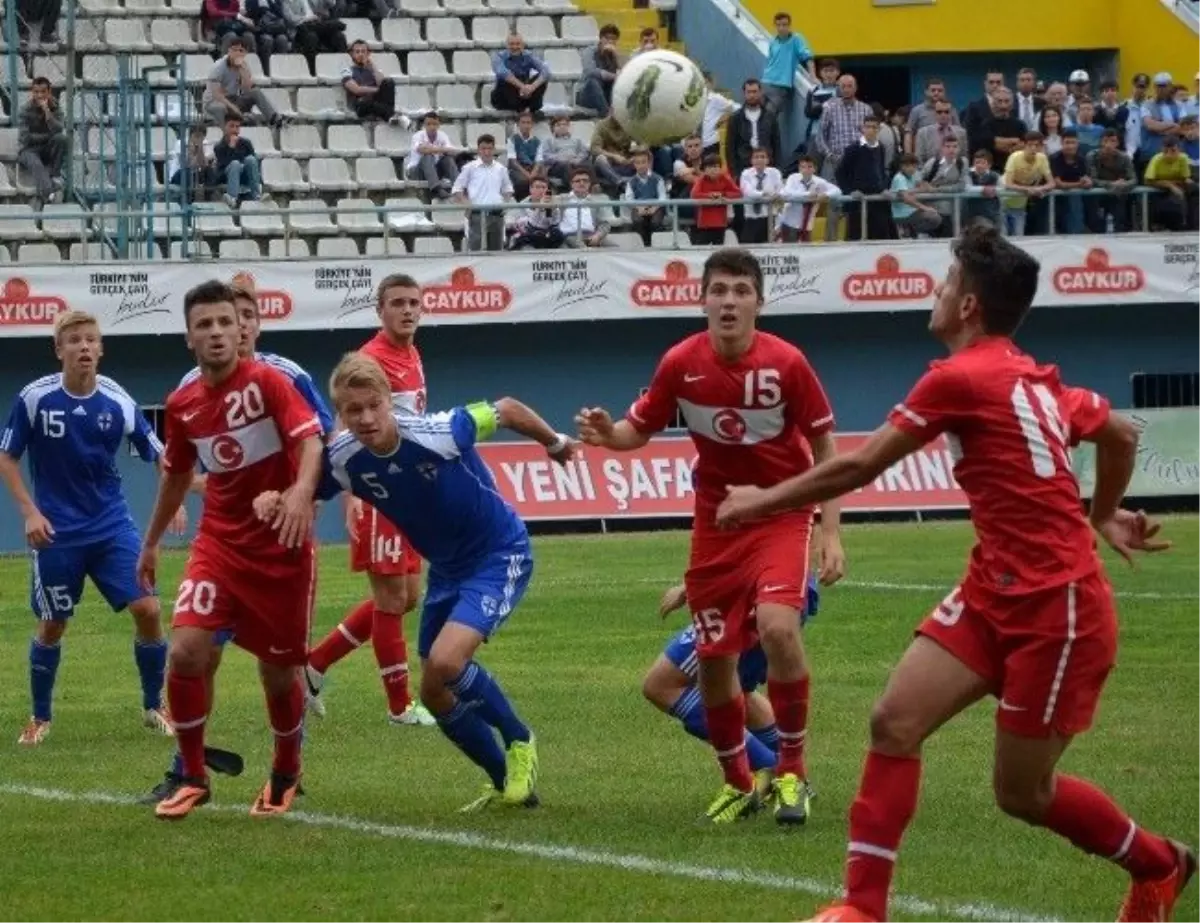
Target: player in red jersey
{"type": "Point", "coordinates": [1033, 622]}
{"type": "Point", "coordinates": [376, 546]}
{"type": "Point", "coordinates": [757, 413]}
{"type": "Point", "coordinates": [252, 431]}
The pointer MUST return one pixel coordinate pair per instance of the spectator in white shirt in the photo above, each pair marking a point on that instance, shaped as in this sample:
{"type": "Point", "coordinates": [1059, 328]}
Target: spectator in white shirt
{"type": "Point", "coordinates": [796, 220]}
{"type": "Point", "coordinates": [582, 224]}
{"type": "Point", "coordinates": [717, 111]}
{"type": "Point", "coordinates": [760, 183]}
{"type": "Point", "coordinates": [432, 157]}
{"type": "Point", "coordinates": [645, 186]}
{"type": "Point", "coordinates": [483, 184]}
{"type": "Point", "coordinates": [1026, 103]}
{"type": "Point", "coordinates": [538, 225]}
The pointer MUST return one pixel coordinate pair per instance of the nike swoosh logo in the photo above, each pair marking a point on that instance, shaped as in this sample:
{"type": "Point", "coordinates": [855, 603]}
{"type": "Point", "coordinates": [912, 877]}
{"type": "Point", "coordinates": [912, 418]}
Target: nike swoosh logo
{"type": "Point", "coordinates": [690, 378]}
{"type": "Point", "coordinates": [187, 416]}
{"type": "Point", "coordinates": [776, 587]}
{"type": "Point", "coordinates": [1004, 706]}
{"type": "Point", "coordinates": [276, 652]}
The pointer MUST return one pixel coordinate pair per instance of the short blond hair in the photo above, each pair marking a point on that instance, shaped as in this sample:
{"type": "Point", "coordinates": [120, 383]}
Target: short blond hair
{"type": "Point", "coordinates": [357, 370]}
{"type": "Point", "coordinates": [70, 319]}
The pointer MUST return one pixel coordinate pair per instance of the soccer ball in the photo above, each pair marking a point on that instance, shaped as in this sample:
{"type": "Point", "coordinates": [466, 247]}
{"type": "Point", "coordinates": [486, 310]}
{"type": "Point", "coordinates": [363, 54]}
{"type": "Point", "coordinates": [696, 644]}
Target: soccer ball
{"type": "Point", "coordinates": [659, 97]}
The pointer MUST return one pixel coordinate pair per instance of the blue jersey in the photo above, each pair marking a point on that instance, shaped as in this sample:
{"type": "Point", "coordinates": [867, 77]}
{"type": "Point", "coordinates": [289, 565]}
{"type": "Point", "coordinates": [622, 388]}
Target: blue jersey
{"type": "Point", "coordinates": [434, 487]}
{"type": "Point", "coordinates": [299, 378]}
{"type": "Point", "coordinates": [73, 444]}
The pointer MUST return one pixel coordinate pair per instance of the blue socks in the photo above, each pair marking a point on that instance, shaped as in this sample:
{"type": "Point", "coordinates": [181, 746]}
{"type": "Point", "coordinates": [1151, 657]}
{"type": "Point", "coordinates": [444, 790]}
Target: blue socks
{"type": "Point", "coordinates": [151, 659]}
{"type": "Point", "coordinates": [476, 687]}
{"type": "Point", "coordinates": [689, 710]}
{"type": "Point", "coordinates": [769, 736]}
{"type": "Point", "coordinates": [468, 731]}
{"type": "Point", "coordinates": [43, 668]}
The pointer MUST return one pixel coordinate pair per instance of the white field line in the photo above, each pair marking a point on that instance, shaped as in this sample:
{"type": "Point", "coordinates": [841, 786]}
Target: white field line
{"type": "Point", "coordinates": [564, 855]}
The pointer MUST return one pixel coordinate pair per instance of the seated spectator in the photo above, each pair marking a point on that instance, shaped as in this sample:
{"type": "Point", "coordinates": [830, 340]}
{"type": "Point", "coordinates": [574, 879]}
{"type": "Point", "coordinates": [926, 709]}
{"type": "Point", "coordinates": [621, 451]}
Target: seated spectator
{"type": "Point", "coordinates": [520, 78]}
{"type": "Point", "coordinates": [1112, 170]}
{"type": "Point", "coordinates": [192, 160]}
{"type": "Point", "coordinates": [230, 89]}
{"type": "Point", "coordinates": [1069, 169]}
{"type": "Point", "coordinates": [1189, 134]}
{"type": "Point", "coordinates": [539, 225]}
{"type": "Point", "coordinates": [863, 171]}
{"type": "Point", "coordinates": [984, 180]}
{"type": "Point", "coordinates": [315, 28]}
{"type": "Point", "coordinates": [1174, 208]}
{"type": "Point", "coordinates": [236, 165]}
{"type": "Point", "coordinates": [610, 151]}
{"type": "Point", "coordinates": [600, 65]}
{"type": "Point", "coordinates": [523, 155]}
{"type": "Point", "coordinates": [946, 173]}
{"type": "Point", "coordinates": [583, 224]}
{"type": "Point", "coordinates": [44, 14]}
{"type": "Point", "coordinates": [1000, 133]}
{"type": "Point", "coordinates": [223, 21]}
{"type": "Point", "coordinates": [931, 138]}
{"type": "Point", "coordinates": [760, 183]}
{"type": "Point", "coordinates": [42, 142]}
{"type": "Point", "coordinates": [374, 10]}
{"type": "Point", "coordinates": [796, 219]}
{"type": "Point", "coordinates": [1051, 128]}
{"type": "Point", "coordinates": [911, 216]}
{"type": "Point", "coordinates": [647, 41]}
{"type": "Point", "coordinates": [483, 184]}
{"type": "Point", "coordinates": [1027, 172]}
{"type": "Point", "coordinates": [645, 186]}
{"type": "Point", "coordinates": [561, 154]}
{"type": "Point", "coordinates": [369, 94]}
{"type": "Point", "coordinates": [431, 158]}
{"type": "Point", "coordinates": [754, 125]}
{"type": "Point", "coordinates": [712, 221]}
{"type": "Point", "coordinates": [272, 33]}
{"type": "Point", "coordinates": [717, 111]}
{"type": "Point", "coordinates": [1086, 130]}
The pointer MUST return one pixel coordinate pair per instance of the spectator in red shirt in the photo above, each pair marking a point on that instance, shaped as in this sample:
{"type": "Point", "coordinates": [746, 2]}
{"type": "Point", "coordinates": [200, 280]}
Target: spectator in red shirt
{"type": "Point", "coordinates": [712, 220]}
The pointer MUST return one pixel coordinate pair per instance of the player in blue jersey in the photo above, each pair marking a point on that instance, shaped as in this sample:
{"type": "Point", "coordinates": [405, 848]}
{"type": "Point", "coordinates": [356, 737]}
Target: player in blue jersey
{"type": "Point", "coordinates": [77, 523]}
{"type": "Point", "coordinates": [245, 303]}
{"type": "Point", "coordinates": [424, 474]}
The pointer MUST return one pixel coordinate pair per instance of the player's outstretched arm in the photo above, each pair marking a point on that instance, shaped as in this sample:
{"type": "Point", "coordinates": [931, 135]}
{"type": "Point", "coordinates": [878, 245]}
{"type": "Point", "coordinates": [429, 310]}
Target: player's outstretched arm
{"type": "Point", "coordinates": [596, 427]}
{"type": "Point", "coordinates": [173, 487]}
{"type": "Point", "coordinates": [1116, 452]}
{"type": "Point", "coordinates": [38, 531]}
{"type": "Point", "coordinates": [522, 419]}
{"type": "Point", "coordinates": [294, 517]}
{"type": "Point", "coordinates": [833, 556]}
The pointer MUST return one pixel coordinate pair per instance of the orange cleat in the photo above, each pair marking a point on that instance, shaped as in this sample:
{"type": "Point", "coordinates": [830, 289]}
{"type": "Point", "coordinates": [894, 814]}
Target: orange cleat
{"type": "Point", "coordinates": [277, 796]}
{"type": "Point", "coordinates": [1154, 901]}
{"type": "Point", "coordinates": [188, 795]}
{"type": "Point", "coordinates": [842, 913]}
{"type": "Point", "coordinates": [34, 733]}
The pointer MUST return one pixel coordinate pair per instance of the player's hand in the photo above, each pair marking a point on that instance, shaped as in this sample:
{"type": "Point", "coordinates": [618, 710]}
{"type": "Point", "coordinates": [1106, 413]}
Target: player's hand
{"type": "Point", "coordinates": [354, 512]}
{"type": "Point", "coordinates": [266, 505]}
{"type": "Point", "coordinates": [38, 531]}
{"type": "Point", "coordinates": [179, 521]}
{"type": "Point", "coordinates": [741, 503]}
{"type": "Point", "coordinates": [1128, 532]}
{"type": "Point", "coordinates": [569, 450]}
{"type": "Point", "coordinates": [673, 599]}
{"type": "Point", "coordinates": [833, 561]}
{"type": "Point", "coordinates": [595, 426]}
{"type": "Point", "coordinates": [293, 518]}
{"type": "Point", "coordinates": [147, 568]}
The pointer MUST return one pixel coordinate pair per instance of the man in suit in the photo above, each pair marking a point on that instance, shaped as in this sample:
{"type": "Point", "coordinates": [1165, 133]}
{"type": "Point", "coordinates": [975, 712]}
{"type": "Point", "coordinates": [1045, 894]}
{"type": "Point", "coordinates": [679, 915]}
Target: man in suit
{"type": "Point", "coordinates": [931, 138]}
{"type": "Point", "coordinates": [754, 125]}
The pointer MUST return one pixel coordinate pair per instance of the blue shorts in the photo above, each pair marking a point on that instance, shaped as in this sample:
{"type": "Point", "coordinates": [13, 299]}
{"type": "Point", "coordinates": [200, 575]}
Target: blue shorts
{"type": "Point", "coordinates": [57, 574]}
{"type": "Point", "coordinates": [752, 665]}
{"type": "Point", "coordinates": [483, 600]}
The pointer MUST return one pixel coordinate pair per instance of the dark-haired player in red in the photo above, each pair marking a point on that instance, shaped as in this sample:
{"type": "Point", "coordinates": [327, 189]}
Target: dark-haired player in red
{"type": "Point", "coordinates": [756, 413]}
{"type": "Point", "coordinates": [1033, 622]}
{"type": "Point", "coordinates": [252, 431]}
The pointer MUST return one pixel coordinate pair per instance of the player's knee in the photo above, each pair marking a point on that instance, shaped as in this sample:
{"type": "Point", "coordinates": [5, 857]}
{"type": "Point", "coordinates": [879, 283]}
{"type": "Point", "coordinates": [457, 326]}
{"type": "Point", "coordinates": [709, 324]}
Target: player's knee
{"type": "Point", "coordinates": [50, 632]}
{"type": "Point", "coordinates": [894, 730]}
{"type": "Point", "coordinates": [390, 596]}
{"type": "Point", "coordinates": [781, 635]}
{"type": "Point", "coordinates": [147, 621]}
{"type": "Point", "coordinates": [658, 692]}
{"type": "Point", "coordinates": [189, 654]}
{"type": "Point", "coordinates": [443, 667]}
{"type": "Point", "coordinates": [277, 680]}
{"type": "Point", "coordinates": [1022, 797]}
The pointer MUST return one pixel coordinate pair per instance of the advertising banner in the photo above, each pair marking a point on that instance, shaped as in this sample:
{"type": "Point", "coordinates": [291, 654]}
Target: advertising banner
{"type": "Point", "coordinates": [565, 285]}
{"type": "Point", "coordinates": [1168, 458]}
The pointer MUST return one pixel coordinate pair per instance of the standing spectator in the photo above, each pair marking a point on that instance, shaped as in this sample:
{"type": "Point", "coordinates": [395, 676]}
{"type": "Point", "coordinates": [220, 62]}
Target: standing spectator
{"type": "Point", "coordinates": [41, 13]}
{"type": "Point", "coordinates": [1000, 133]}
{"type": "Point", "coordinates": [979, 110]}
{"type": "Point", "coordinates": [483, 184]}
{"type": "Point", "coordinates": [1086, 129]}
{"type": "Point", "coordinates": [583, 225]}
{"type": "Point", "coordinates": [786, 54]}
{"type": "Point", "coordinates": [561, 154]}
{"type": "Point", "coordinates": [523, 155]}
{"type": "Point", "coordinates": [1111, 169]}
{"type": "Point", "coordinates": [272, 33]}
{"type": "Point", "coordinates": [982, 180]}
{"type": "Point", "coordinates": [911, 216]}
{"type": "Point", "coordinates": [1027, 105]}
{"type": "Point", "coordinates": [924, 113]}
{"type": "Point", "coordinates": [1056, 95]}
{"type": "Point", "coordinates": [760, 183]}
{"type": "Point", "coordinates": [1160, 117]}
{"type": "Point", "coordinates": [194, 161]}
{"type": "Point", "coordinates": [316, 29]}
{"type": "Point", "coordinates": [1028, 172]}
{"type": "Point", "coordinates": [1170, 172]}
{"type": "Point", "coordinates": [862, 171]}
{"type": "Point", "coordinates": [945, 173]}
{"type": "Point", "coordinates": [223, 21]}
{"type": "Point", "coordinates": [237, 165]}
{"type": "Point", "coordinates": [684, 173]}
{"type": "Point", "coordinates": [1193, 102]}
{"type": "Point", "coordinates": [369, 94]}
{"type": "Point", "coordinates": [431, 158]}
{"type": "Point", "coordinates": [796, 220]}
{"type": "Point", "coordinates": [717, 111]}
{"type": "Point", "coordinates": [1131, 126]}
{"type": "Point", "coordinates": [600, 65]}
{"type": "Point", "coordinates": [841, 127]}
{"type": "Point", "coordinates": [1050, 126]}
{"type": "Point", "coordinates": [754, 125]}
{"type": "Point", "coordinates": [1079, 86]}
{"type": "Point", "coordinates": [828, 70]}
{"type": "Point", "coordinates": [539, 225]}
{"type": "Point", "coordinates": [230, 89]}
{"type": "Point", "coordinates": [647, 41]}
{"type": "Point", "coordinates": [645, 186]}
{"type": "Point", "coordinates": [1069, 170]}
{"type": "Point", "coordinates": [610, 150]}
{"type": "Point", "coordinates": [931, 138]}
{"type": "Point", "coordinates": [1108, 107]}
{"type": "Point", "coordinates": [520, 78]}
{"type": "Point", "coordinates": [713, 220]}
{"type": "Point", "coordinates": [891, 137]}
{"type": "Point", "coordinates": [42, 142]}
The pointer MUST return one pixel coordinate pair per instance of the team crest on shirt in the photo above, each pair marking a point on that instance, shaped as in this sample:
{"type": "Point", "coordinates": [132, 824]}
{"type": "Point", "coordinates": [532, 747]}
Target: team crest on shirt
{"type": "Point", "coordinates": [228, 452]}
{"type": "Point", "coordinates": [104, 421]}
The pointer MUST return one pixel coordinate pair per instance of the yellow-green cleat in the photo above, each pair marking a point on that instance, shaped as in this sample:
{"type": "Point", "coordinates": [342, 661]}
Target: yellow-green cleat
{"type": "Point", "coordinates": [490, 795]}
{"type": "Point", "coordinates": [732, 805]}
{"type": "Point", "coordinates": [793, 800]}
{"type": "Point", "coordinates": [521, 773]}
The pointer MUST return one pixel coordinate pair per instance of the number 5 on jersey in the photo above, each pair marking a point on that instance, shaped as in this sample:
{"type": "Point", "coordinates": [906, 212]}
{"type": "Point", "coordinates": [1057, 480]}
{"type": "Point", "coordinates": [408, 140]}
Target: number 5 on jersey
{"type": "Point", "coordinates": [762, 388]}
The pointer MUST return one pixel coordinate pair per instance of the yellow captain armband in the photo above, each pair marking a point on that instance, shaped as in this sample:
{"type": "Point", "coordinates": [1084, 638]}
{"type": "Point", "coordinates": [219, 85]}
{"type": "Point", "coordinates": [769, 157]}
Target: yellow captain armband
{"type": "Point", "coordinates": [486, 419]}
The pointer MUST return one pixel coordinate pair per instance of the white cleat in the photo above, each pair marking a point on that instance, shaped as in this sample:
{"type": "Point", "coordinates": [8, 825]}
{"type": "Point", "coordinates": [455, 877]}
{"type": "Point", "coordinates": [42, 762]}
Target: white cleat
{"type": "Point", "coordinates": [415, 715]}
{"type": "Point", "coordinates": [313, 681]}
{"type": "Point", "coordinates": [35, 732]}
{"type": "Point", "coordinates": [157, 719]}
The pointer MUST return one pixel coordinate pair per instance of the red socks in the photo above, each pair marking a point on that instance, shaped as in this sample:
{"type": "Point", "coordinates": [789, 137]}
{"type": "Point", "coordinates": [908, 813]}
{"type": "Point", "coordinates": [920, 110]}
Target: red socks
{"type": "Point", "coordinates": [1091, 820]}
{"type": "Point", "coordinates": [188, 698]}
{"type": "Point", "coordinates": [391, 653]}
{"type": "Point", "coordinates": [886, 803]}
{"type": "Point", "coordinates": [287, 723]}
{"type": "Point", "coordinates": [351, 634]}
{"type": "Point", "coordinates": [789, 701]}
{"type": "Point", "coordinates": [727, 733]}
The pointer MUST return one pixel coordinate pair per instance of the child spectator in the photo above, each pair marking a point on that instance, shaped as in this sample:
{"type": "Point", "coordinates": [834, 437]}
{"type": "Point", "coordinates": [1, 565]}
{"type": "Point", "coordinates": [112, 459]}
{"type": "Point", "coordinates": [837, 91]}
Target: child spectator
{"type": "Point", "coordinates": [523, 154]}
{"type": "Point", "coordinates": [538, 225]}
{"type": "Point", "coordinates": [912, 216]}
{"type": "Point", "coordinates": [645, 186]}
{"type": "Point", "coordinates": [796, 220]}
{"type": "Point", "coordinates": [983, 180]}
{"type": "Point", "coordinates": [713, 220]}
{"type": "Point", "coordinates": [760, 183]}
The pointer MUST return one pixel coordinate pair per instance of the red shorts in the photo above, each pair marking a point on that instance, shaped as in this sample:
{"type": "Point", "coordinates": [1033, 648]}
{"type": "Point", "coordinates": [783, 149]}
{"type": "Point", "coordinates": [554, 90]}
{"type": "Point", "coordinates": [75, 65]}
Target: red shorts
{"type": "Point", "coordinates": [266, 607]}
{"type": "Point", "coordinates": [379, 547]}
{"type": "Point", "coordinates": [731, 573]}
{"type": "Point", "coordinates": [1046, 654]}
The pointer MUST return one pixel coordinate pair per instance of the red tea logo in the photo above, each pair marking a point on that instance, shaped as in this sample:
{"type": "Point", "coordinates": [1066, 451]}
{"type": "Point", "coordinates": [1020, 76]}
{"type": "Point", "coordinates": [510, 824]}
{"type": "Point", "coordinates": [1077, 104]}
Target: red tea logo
{"type": "Point", "coordinates": [676, 289]}
{"type": "Point", "coordinates": [1097, 276]}
{"type": "Point", "coordinates": [272, 305]}
{"type": "Point", "coordinates": [888, 283]}
{"type": "Point", "coordinates": [466, 295]}
{"type": "Point", "coordinates": [20, 307]}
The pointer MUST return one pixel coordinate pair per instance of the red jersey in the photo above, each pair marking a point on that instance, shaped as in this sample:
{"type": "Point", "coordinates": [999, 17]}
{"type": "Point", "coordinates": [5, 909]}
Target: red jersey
{"type": "Point", "coordinates": [1010, 424]}
{"type": "Point", "coordinates": [402, 366]}
{"type": "Point", "coordinates": [710, 217]}
{"type": "Point", "coordinates": [243, 432]}
{"type": "Point", "coordinates": [750, 419]}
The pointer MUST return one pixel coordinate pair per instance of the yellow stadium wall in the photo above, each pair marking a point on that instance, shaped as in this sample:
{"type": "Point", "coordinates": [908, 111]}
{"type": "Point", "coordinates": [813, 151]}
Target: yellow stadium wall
{"type": "Point", "coordinates": [1151, 39]}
